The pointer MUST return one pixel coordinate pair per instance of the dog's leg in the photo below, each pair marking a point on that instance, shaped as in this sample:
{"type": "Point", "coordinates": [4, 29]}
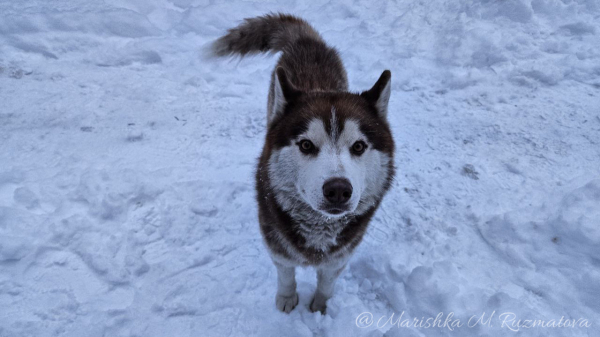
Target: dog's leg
{"type": "Point", "coordinates": [287, 297]}
{"type": "Point", "coordinates": [326, 278]}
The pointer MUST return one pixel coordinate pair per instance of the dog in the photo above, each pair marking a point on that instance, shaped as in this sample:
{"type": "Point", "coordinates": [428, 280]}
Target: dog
{"type": "Point", "coordinates": [327, 160]}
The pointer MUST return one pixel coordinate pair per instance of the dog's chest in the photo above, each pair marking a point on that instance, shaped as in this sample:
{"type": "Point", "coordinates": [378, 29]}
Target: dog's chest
{"type": "Point", "coordinates": [321, 236]}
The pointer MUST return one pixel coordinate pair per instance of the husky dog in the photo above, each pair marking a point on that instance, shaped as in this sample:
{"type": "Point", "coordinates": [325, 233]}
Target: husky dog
{"type": "Point", "coordinates": [328, 155]}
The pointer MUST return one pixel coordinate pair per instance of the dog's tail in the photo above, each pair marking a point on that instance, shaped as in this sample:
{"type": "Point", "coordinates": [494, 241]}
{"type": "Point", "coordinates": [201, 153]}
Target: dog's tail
{"type": "Point", "coordinates": [272, 32]}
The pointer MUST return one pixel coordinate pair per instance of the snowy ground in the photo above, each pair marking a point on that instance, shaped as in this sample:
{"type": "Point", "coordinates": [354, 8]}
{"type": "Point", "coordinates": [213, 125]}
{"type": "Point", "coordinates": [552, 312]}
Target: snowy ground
{"type": "Point", "coordinates": [126, 169]}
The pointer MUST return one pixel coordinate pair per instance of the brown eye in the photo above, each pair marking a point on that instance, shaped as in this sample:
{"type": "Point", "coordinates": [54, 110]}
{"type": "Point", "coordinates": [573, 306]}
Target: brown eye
{"type": "Point", "coordinates": [306, 146]}
{"type": "Point", "coordinates": [358, 148]}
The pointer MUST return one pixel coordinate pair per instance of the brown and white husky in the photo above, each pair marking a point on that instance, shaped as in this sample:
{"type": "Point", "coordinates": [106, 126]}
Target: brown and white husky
{"type": "Point", "coordinates": [327, 161]}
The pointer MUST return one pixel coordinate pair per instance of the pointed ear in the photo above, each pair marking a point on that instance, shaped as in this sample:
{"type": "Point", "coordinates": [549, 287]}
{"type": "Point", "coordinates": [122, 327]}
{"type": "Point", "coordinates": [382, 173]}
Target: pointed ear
{"type": "Point", "coordinates": [283, 93]}
{"type": "Point", "coordinates": [379, 94]}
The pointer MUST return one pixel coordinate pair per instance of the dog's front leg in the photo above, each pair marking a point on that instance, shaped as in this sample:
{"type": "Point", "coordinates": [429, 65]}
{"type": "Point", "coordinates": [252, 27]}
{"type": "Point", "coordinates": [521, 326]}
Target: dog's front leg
{"type": "Point", "coordinates": [326, 278]}
{"type": "Point", "coordinates": [287, 297]}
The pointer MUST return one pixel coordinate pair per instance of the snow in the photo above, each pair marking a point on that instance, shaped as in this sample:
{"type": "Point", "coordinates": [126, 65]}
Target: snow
{"type": "Point", "coordinates": [126, 169]}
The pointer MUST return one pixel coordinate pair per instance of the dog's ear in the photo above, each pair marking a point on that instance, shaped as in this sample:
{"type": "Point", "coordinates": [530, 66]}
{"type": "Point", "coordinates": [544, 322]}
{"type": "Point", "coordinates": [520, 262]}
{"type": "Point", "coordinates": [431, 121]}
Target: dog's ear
{"type": "Point", "coordinates": [283, 92]}
{"type": "Point", "coordinates": [379, 94]}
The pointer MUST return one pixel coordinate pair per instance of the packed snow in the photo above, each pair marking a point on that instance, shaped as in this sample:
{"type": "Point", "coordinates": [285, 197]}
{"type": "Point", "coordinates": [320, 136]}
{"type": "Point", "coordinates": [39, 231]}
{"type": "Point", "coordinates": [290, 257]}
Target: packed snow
{"type": "Point", "coordinates": [127, 160]}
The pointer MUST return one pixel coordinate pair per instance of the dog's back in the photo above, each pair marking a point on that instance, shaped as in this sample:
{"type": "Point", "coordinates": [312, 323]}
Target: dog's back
{"type": "Point", "coordinates": [309, 63]}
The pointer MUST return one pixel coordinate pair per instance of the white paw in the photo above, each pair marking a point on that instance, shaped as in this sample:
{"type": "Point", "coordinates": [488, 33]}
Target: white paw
{"type": "Point", "coordinates": [286, 303]}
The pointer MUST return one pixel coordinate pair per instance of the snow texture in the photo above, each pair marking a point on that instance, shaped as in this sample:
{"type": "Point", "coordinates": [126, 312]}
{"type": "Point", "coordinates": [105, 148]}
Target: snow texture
{"type": "Point", "coordinates": [126, 169]}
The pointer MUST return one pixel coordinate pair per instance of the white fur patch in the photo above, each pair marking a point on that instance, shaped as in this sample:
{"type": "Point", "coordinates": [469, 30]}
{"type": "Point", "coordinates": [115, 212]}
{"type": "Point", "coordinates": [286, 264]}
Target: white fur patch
{"type": "Point", "coordinates": [384, 99]}
{"type": "Point", "coordinates": [333, 123]}
{"type": "Point", "coordinates": [278, 100]}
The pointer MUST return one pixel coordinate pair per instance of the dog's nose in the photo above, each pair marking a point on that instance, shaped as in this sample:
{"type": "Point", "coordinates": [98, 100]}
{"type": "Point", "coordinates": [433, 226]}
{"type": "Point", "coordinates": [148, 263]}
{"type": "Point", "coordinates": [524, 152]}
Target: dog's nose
{"type": "Point", "coordinates": [337, 190]}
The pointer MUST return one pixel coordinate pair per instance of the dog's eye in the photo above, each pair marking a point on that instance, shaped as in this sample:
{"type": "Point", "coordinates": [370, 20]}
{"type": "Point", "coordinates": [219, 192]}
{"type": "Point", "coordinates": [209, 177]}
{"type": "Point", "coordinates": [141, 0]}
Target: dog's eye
{"type": "Point", "coordinates": [358, 148]}
{"type": "Point", "coordinates": [306, 146]}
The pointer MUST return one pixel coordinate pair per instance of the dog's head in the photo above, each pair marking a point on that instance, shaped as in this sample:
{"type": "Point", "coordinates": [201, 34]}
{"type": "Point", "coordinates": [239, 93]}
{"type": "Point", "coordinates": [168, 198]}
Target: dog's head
{"type": "Point", "coordinates": [331, 151]}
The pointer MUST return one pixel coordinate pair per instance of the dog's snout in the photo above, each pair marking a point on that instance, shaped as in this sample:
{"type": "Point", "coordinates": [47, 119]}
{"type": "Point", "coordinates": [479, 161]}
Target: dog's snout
{"type": "Point", "coordinates": [337, 190]}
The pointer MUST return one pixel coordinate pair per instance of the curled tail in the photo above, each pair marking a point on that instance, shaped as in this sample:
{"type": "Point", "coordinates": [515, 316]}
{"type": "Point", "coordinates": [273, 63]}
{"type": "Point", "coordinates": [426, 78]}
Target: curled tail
{"type": "Point", "coordinates": [271, 32]}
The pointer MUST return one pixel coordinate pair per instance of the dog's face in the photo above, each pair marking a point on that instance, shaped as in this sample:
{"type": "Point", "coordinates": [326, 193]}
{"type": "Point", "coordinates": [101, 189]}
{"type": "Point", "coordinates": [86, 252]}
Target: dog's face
{"type": "Point", "coordinates": [332, 152]}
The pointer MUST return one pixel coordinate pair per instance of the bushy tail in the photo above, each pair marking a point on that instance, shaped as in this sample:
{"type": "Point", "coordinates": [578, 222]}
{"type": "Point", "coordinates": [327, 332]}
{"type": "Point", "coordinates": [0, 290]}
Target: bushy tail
{"type": "Point", "coordinates": [262, 34]}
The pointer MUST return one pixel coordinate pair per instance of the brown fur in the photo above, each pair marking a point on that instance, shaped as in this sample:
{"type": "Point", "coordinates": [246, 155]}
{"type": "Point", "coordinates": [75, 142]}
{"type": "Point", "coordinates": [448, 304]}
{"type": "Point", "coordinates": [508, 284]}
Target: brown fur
{"type": "Point", "coordinates": [271, 32]}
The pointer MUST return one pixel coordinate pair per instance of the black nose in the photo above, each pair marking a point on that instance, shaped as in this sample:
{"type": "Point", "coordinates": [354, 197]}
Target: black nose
{"type": "Point", "coordinates": [337, 190]}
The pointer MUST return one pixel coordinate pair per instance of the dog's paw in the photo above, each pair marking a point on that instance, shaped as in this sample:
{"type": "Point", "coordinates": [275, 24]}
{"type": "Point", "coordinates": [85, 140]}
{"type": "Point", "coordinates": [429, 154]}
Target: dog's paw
{"type": "Point", "coordinates": [318, 304]}
{"type": "Point", "coordinates": [286, 303]}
